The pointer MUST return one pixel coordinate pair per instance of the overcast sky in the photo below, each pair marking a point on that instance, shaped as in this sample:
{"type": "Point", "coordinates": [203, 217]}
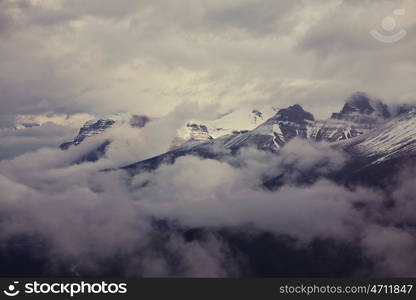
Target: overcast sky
{"type": "Point", "coordinates": [70, 60]}
{"type": "Point", "coordinates": [107, 56]}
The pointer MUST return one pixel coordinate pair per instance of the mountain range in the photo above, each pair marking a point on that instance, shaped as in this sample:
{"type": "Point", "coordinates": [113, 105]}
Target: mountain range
{"type": "Point", "coordinates": [371, 133]}
{"type": "Point", "coordinates": [376, 140]}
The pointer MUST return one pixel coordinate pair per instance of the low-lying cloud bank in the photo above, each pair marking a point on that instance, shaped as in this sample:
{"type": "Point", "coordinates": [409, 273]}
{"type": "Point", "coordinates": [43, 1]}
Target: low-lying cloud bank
{"type": "Point", "coordinates": [95, 223]}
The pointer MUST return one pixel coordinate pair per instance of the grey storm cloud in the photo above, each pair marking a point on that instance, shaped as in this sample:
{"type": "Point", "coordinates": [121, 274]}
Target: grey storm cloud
{"type": "Point", "coordinates": [17, 142]}
{"type": "Point", "coordinates": [88, 216]}
{"type": "Point", "coordinates": [146, 57]}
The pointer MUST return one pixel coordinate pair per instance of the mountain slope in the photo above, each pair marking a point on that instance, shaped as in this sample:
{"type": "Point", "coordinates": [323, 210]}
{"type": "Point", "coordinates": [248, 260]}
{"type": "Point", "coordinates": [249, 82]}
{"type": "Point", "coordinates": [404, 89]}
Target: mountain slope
{"type": "Point", "coordinates": [359, 108]}
{"type": "Point", "coordinates": [375, 156]}
{"type": "Point", "coordinates": [271, 135]}
{"type": "Point", "coordinates": [90, 128]}
{"type": "Point", "coordinates": [265, 128]}
{"type": "Point", "coordinates": [396, 138]}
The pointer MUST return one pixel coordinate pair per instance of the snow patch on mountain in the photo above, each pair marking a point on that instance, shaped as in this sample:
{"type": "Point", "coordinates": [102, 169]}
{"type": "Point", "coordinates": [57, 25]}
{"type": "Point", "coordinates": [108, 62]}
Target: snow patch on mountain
{"type": "Point", "coordinates": [97, 126]}
{"type": "Point", "coordinates": [394, 139]}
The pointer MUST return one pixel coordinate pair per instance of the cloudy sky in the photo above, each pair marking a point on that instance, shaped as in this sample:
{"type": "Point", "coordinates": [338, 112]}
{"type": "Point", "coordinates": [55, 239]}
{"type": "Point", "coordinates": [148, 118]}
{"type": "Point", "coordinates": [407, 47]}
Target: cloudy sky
{"type": "Point", "coordinates": [104, 56]}
{"type": "Point", "coordinates": [66, 61]}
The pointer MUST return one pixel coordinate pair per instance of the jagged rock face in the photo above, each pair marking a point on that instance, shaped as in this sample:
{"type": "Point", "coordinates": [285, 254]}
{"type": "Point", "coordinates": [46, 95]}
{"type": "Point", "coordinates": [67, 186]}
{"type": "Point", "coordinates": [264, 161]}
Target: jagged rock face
{"type": "Point", "coordinates": [359, 108]}
{"type": "Point", "coordinates": [374, 155]}
{"type": "Point", "coordinates": [358, 116]}
{"type": "Point", "coordinates": [294, 113]}
{"type": "Point", "coordinates": [275, 132]}
{"type": "Point", "coordinates": [191, 133]}
{"type": "Point", "coordinates": [90, 128]}
{"type": "Point", "coordinates": [198, 132]}
{"type": "Point", "coordinates": [333, 131]}
{"type": "Point", "coordinates": [237, 121]}
{"type": "Point", "coordinates": [358, 103]}
{"type": "Point", "coordinates": [377, 157]}
{"type": "Point", "coordinates": [294, 121]}
{"type": "Point", "coordinates": [393, 139]}
{"type": "Point", "coordinates": [289, 123]}
{"type": "Point", "coordinates": [95, 127]}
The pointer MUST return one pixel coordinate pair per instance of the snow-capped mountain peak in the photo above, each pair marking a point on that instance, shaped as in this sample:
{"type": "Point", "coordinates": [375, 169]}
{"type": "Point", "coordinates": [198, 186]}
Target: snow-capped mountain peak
{"type": "Point", "coordinates": [90, 128]}
{"type": "Point", "coordinates": [192, 132]}
{"type": "Point", "coordinates": [98, 126]}
{"type": "Point", "coordinates": [294, 113]}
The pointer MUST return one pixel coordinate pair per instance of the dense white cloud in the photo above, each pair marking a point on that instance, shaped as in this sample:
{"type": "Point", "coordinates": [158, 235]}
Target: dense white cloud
{"type": "Point", "coordinates": [87, 216]}
{"type": "Point", "coordinates": [17, 142]}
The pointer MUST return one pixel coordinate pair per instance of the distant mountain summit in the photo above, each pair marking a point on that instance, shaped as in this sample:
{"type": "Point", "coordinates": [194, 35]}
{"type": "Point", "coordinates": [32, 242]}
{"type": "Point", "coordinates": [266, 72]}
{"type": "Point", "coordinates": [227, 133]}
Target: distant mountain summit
{"type": "Point", "coordinates": [359, 108]}
{"type": "Point", "coordinates": [369, 130]}
{"type": "Point", "coordinates": [372, 133]}
{"type": "Point", "coordinates": [294, 113]}
{"type": "Point", "coordinates": [98, 126]}
{"type": "Point", "coordinates": [191, 133]}
{"type": "Point", "coordinates": [90, 128]}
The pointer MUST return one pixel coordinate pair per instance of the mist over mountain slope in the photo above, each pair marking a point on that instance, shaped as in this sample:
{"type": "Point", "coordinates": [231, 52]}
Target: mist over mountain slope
{"type": "Point", "coordinates": [366, 129]}
{"type": "Point", "coordinates": [243, 127]}
{"type": "Point", "coordinates": [293, 196]}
